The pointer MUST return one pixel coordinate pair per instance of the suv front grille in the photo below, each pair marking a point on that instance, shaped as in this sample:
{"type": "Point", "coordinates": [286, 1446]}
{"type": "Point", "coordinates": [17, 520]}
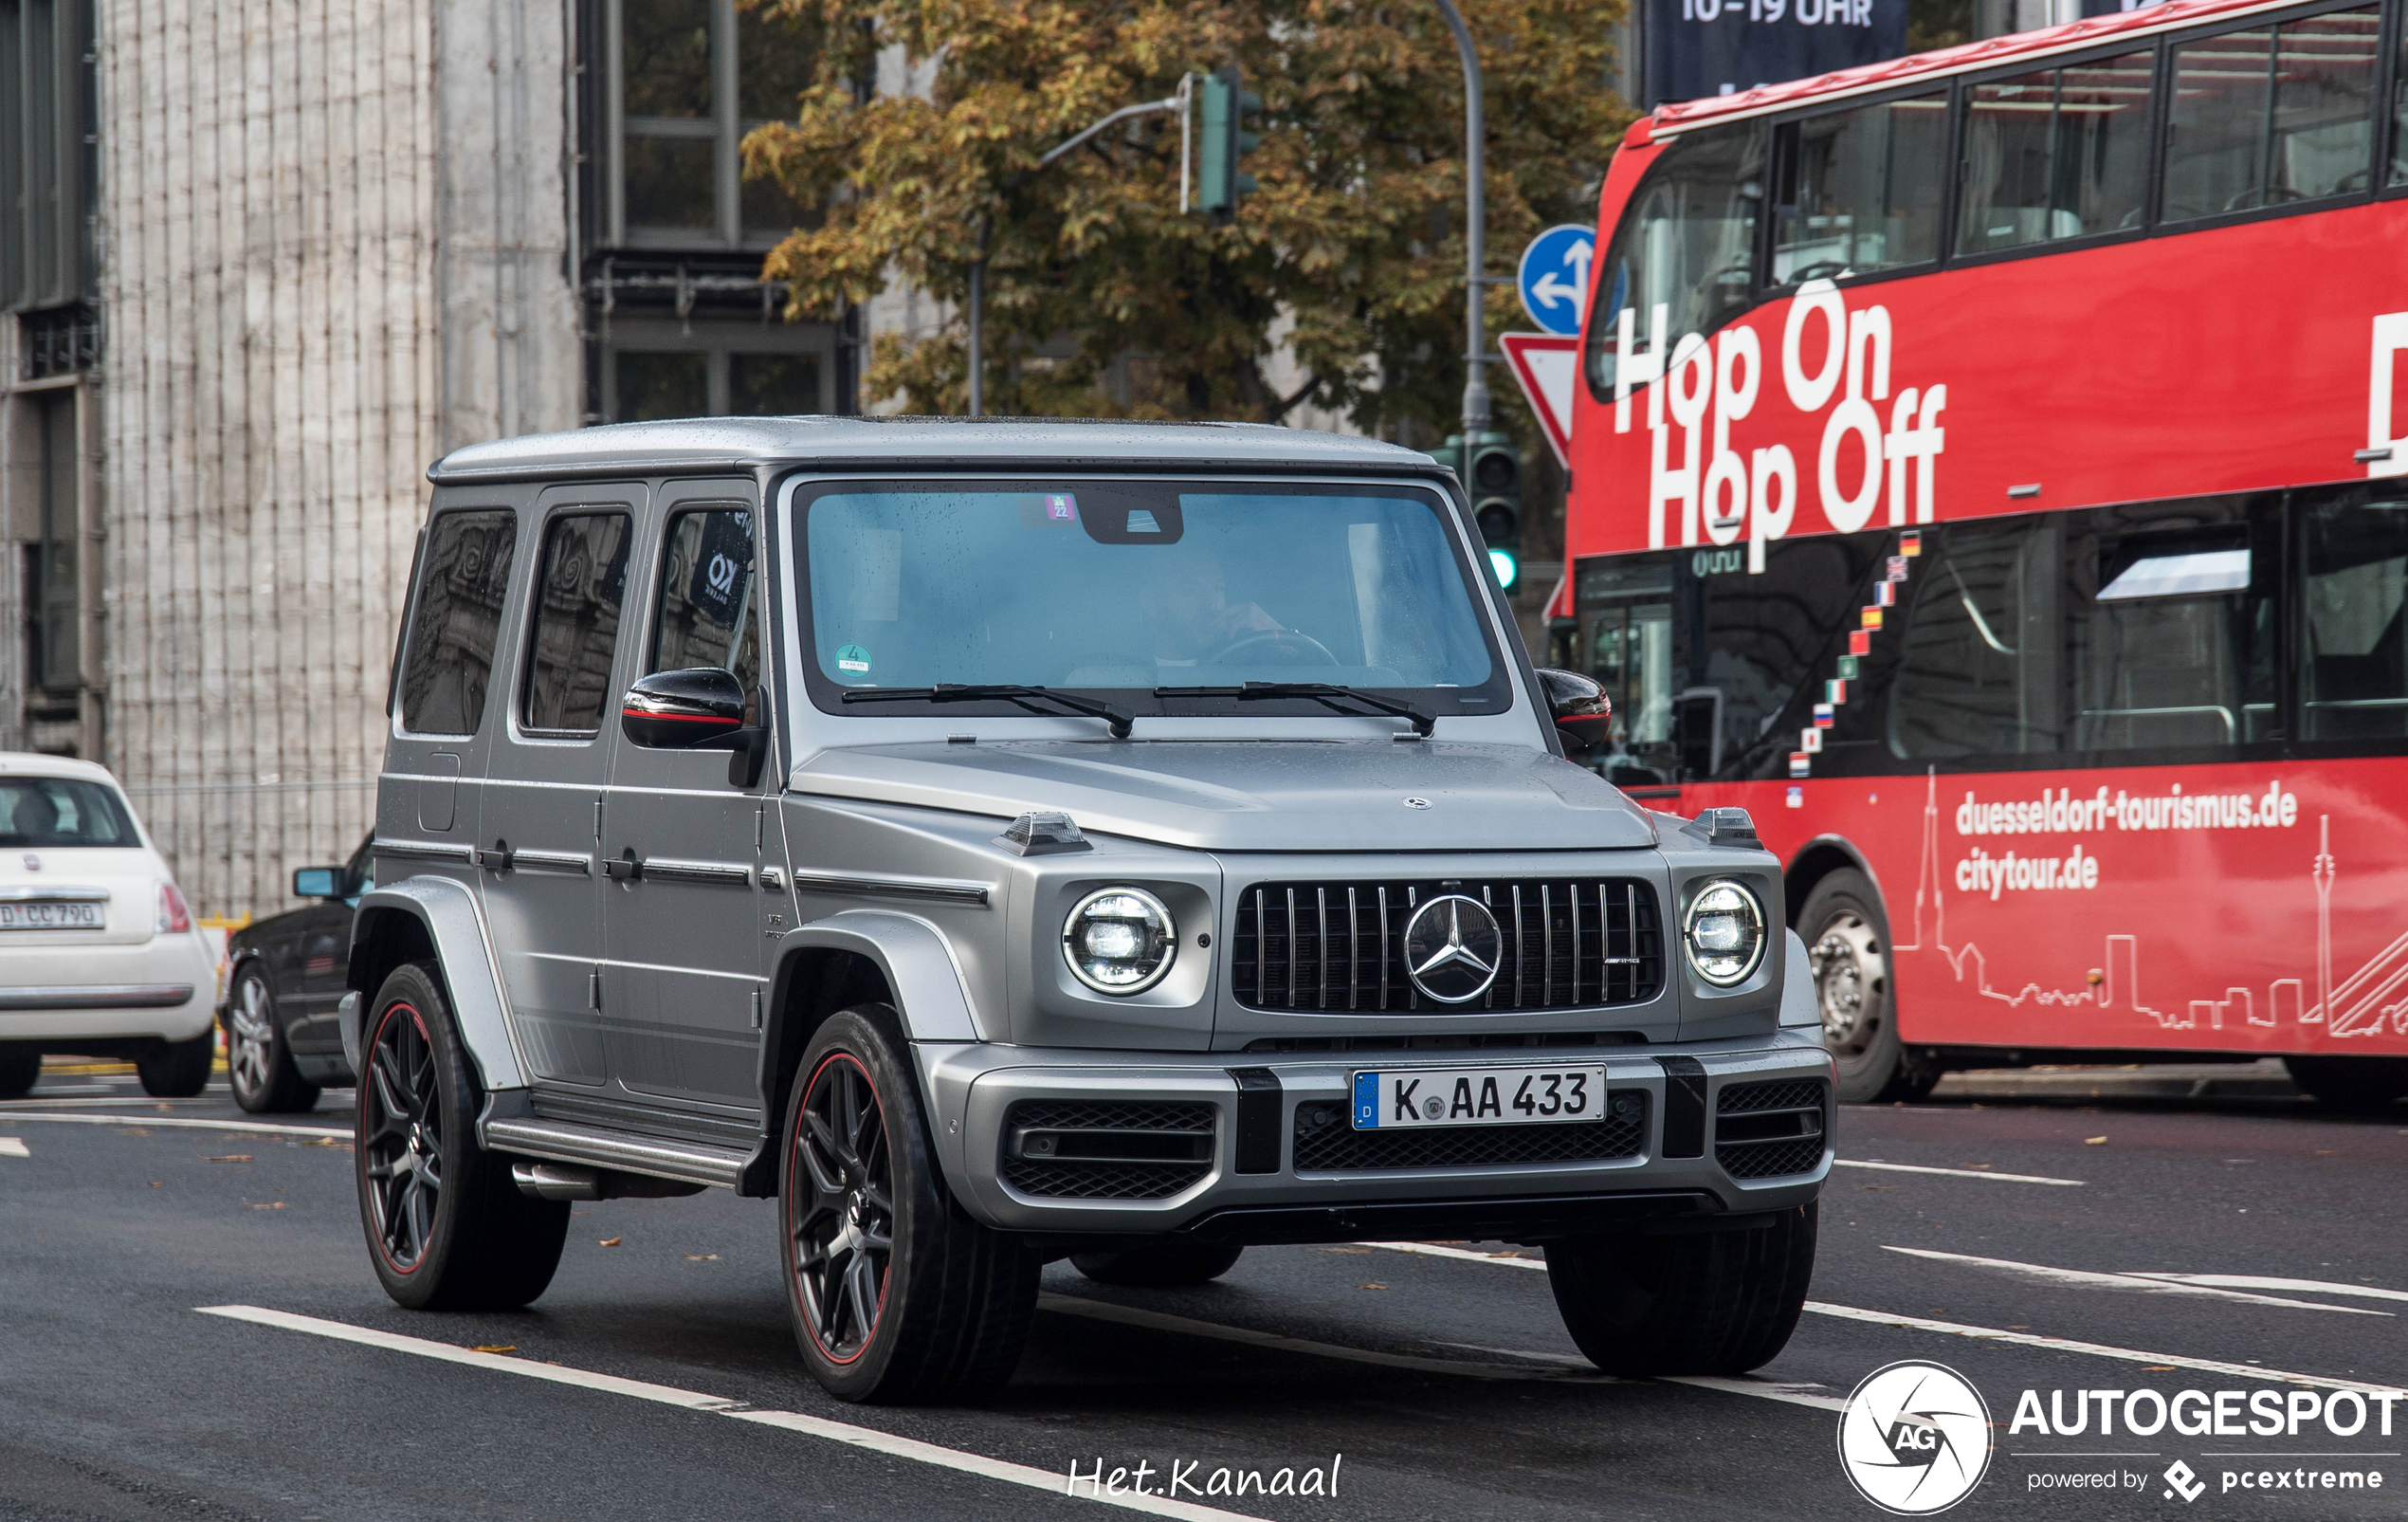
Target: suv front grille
{"type": "Point", "coordinates": [1105, 1148]}
{"type": "Point", "coordinates": [1764, 1130]}
{"type": "Point", "coordinates": [1326, 1144]}
{"type": "Point", "coordinates": [1569, 944]}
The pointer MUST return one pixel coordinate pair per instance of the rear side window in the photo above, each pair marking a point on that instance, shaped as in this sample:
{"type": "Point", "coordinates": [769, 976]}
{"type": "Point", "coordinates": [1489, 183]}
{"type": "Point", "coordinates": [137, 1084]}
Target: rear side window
{"type": "Point", "coordinates": [454, 619]}
{"type": "Point", "coordinates": [2062, 153]}
{"type": "Point", "coordinates": [706, 615]}
{"type": "Point", "coordinates": [1860, 190]}
{"type": "Point", "coordinates": [580, 583]}
{"type": "Point", "coordinates": [1686, 244]}
{"type": "Point", "coordinates": [2272, 114]}
{"type": "Point", "coordinates": [62, 812]}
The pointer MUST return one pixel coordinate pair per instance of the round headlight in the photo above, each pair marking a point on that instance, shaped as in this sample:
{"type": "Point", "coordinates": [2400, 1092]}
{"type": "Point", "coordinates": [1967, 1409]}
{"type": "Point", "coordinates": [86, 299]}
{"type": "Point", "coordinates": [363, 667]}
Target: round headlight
{"type": "Point", "coordinates": [1120, 940]}
{"type": "Point", "coordinates": [1723, 934]}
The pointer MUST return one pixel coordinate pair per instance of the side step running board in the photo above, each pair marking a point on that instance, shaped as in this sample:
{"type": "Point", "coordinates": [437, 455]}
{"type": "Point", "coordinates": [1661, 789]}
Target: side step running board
{"type": "Point", "coordinates": [564, 1142]}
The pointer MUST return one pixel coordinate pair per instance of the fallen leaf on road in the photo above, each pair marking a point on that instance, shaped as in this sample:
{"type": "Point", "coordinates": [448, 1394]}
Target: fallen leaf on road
{"type": "Point", "coordinates": [2094, 1141]}
{"type": "Point", "coordinates": [10, 1146]}
{"type": "Point", "coordinates": [2157, 1368]}
{"type": "Point", "coordinates": [1371, 1286]}
{"type": "Point", "coordinates": [495, 1348]}
{"type": "Point", "coordinates": [609, 1241]}
{"type": "Point", "coordinates": [158, 1185]}
{"type": "Point", "coordinates": [701, 1258]}
{"type": "Point", "coordinates": [1976, 1165]}
{"type": "Point", "coordinates": [277, 1206]}
{"type": "Point", "coordinates": [231, 1157]}
{"type": "Point", "coordinates": [1876, 1186]}
{"type": "Point", "coordinates": [1346, 1249]}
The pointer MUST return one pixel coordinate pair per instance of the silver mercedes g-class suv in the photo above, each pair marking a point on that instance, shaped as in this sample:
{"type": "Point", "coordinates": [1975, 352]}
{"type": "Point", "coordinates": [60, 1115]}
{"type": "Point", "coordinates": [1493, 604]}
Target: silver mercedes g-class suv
{"type": "Point", "coordinates": [1001, 842]}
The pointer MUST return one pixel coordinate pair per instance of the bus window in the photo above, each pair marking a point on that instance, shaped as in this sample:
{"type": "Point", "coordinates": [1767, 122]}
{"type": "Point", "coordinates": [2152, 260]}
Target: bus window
{"type": "Point", "coordinates": [2400, 114]}
{"type": "Point", "coordinates": [2057, 153]}
{"type": "Point", "coordinates": [1626, 643]}
{"type": "Point", "coordinates": [2268, 114]}
{"type": "Point", "coordinates": [2170, 633]}
{"type": "Point", "coordinates": [1859, 191]}
{"type": "Point", "coordinates": [1980, 672]}
{"type": "Point", "coordinates": [2353, 665]}
{"type": "Point", "coordinates": [1687, 242]}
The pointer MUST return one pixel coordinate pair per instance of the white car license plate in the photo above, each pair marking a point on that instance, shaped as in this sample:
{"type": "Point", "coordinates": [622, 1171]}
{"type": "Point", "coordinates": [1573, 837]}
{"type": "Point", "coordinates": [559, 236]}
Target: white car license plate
{"type": "Point", "coordinates": [1477, 1097]}
{"type": "Point", "coordinates": [52, 917]}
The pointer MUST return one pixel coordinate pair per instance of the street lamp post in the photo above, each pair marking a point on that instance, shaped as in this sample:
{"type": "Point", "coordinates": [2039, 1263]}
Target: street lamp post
{"type": "Point", "coordinates": [1476, 384]}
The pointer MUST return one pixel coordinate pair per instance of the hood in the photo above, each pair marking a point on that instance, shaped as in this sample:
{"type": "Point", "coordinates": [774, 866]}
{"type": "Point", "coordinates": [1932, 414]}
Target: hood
{"type": "Point", "coordinates": [1256, 795]}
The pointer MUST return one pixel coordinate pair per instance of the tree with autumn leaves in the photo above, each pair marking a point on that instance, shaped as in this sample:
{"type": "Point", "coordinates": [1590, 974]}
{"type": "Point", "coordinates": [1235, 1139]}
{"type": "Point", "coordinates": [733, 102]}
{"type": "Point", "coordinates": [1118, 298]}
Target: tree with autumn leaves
{"type": "Point", "coordinates": [1350, 253]}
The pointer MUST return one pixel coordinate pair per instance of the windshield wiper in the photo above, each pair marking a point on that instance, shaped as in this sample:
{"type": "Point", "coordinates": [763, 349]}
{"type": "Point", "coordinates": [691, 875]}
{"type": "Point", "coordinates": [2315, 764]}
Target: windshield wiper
{"type": "Point", "coordinates": [1329, 694]}
{"type": "Point", "coordinates": [1026, 697]}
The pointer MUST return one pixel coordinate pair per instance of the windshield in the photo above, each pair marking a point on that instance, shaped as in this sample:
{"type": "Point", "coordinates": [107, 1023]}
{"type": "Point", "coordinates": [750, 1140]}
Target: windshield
{"type": "Point", "coordinates": [1126, 587]}
{"type": "Point", "coordinates": [61, 812]}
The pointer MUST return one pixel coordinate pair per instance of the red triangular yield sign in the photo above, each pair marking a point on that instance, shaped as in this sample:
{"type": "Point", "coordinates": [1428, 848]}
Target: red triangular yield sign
{"type": "Point", "coordinates": [1548, 368]}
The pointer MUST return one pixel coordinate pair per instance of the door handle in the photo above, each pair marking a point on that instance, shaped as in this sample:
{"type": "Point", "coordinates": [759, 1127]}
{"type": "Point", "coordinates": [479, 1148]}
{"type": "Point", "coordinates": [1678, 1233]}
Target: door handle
{"type": "Point", "coordinates": [627, 866]}
{"type": "Point", "coordinates": [497, 859]}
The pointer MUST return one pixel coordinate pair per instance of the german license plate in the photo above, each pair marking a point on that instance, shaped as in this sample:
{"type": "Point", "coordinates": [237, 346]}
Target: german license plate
{"type": "Point", "coordinates": [1477, 1097]}
{"type": "Point", "coordinates": [52, 917]}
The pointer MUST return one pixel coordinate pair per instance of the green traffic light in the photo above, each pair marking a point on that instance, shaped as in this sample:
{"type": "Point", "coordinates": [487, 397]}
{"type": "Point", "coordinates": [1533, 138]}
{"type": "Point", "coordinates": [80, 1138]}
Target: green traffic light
{"type": "Point", "coordinates": [1222, 109]}
{"type": "Point", "coordinates": [1501, 562]}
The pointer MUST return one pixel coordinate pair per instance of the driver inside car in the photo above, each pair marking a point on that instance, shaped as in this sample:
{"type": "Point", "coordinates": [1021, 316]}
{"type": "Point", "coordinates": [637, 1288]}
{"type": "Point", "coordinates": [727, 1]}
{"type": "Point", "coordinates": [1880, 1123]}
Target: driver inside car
{"type": "Point", "coordinates": [1188, 608]}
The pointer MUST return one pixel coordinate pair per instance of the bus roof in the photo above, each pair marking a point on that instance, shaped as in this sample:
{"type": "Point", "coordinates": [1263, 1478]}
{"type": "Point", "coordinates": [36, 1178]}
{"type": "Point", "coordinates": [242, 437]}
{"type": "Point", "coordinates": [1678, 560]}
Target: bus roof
{"type": "Point", "coordinates": [2146, 22]}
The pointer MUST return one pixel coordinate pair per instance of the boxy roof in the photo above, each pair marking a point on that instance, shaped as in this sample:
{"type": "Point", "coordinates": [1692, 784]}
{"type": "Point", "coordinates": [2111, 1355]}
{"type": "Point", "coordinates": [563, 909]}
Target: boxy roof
{"type": "Point", "coordinates": [707, 445]}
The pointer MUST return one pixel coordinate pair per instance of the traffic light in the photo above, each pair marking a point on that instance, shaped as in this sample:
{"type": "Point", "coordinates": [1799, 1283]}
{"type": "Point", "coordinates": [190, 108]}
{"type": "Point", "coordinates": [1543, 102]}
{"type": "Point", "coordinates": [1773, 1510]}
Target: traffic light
{"type": "Point", "coordinates": [1493, 475]}
{"type": "Point", "coordinates": [1222, 113]}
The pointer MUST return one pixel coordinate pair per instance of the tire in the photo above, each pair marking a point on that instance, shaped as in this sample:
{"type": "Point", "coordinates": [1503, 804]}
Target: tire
{"type": "Point", "coordinates": [176, 1070]}
{"type": "Point", "coordinates": [20, 1069]}
{"type": "Point", "coordinates": [259, 1063]}
{"type": "Point", "coordinates": [897, 1296]}
{"type": "Point", "coordinates": [2365, 1084]}
{"type": "Point", "coordinates": [1711, 1303]}
{"type": "Point", "coordinates": [448, 1229]}
{"type": "Point", "coordinates": [1160, 1264]}
{"type": "Point", "coordinates": [1847, 936]}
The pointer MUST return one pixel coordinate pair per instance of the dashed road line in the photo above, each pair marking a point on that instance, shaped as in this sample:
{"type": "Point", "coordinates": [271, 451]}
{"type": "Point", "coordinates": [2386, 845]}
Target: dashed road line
{"type": "Point", "coordinates": [1960, 1173]}
{"type": "Point", "coordinates": [2144, 1284]}
{"type": "Point", "coordinates": [868, 1438]}
{"type": "Point", "coordinates": [2266, 1281]}
{"type": "Point", "coordinates": [189, 1124]}
{"type": "Point", "coordinates": [12, 1146]}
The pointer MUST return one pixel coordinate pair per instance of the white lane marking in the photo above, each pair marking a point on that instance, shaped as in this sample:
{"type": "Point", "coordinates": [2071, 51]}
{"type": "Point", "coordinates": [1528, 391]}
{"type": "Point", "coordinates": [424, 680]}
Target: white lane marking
{"type": "Point", "coordinates": [885, 1443]}
{"type": "Point", "coordinates": [1566, 1360]}
{"type": "Point", "coordinates": [2129, 1355]}
{"type": "Point", "coordinates": [1787, 1391]}
{"type": "Point", "coordinates": [2020, 1339]}
{"type": "Point", "coordinates": [10, 1146]}
{"type": "Point", "coordinates": [2144, 1285]}
{"type": "Point", "coordinates": [2263, 1281]}
{"type": "Point", "coordinates": [1159, 1321]}
{"type": "Point", "coordinates": [190, 1125]}
{"type": "Point", "coordinates": [1960, 1173]}
{"type": "Point", "coordinates": [11, 1106]}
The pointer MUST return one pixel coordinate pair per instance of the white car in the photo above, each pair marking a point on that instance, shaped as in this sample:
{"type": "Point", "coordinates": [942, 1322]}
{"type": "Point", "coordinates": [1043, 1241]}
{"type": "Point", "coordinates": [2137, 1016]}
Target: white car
{"type": "Point", "coordinates": [98, 951]}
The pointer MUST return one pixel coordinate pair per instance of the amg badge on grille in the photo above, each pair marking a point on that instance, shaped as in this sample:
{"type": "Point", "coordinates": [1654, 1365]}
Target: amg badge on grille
{"type": "Point", "coordinates": [1453, 946]}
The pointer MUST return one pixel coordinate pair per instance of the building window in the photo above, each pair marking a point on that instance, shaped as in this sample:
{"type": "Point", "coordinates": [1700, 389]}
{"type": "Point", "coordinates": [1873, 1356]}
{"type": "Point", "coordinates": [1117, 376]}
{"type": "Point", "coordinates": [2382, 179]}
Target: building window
{"type": "Point", "coordinates": [686, 79]}
{"type": "Point", "coordinates": [657, 369]}
{"type": "Point", "coordinates": [57, 654]}
{"type": "Point", "coordinates": [48, 153]}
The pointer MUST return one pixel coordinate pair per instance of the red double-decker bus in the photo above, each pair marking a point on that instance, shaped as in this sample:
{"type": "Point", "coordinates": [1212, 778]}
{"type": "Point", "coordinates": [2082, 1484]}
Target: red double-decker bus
{"type": "Point", "coordinates": [1991, 471]}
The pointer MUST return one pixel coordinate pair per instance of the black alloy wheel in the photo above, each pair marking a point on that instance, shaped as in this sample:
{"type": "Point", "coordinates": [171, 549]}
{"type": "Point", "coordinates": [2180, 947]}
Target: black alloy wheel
{"type": "Point", "coordinates": [844, 1219]}
{"type": "Point", "coordinates": [401, 1138]}
{"type": "Point", "coordinates": [259, 1064]}
{"type": "Point", "coordinates": [448, 1227]}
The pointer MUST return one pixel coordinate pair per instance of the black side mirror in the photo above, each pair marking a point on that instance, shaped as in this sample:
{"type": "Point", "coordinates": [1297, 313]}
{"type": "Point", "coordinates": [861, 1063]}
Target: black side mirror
{"type": "Point", "coordinates": [698, 709]}
{"type": "Point", "coordinates": [1582, 709]}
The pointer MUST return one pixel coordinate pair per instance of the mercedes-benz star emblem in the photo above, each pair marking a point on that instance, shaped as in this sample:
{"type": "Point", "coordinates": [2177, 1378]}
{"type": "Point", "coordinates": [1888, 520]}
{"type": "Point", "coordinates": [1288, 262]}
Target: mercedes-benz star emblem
{"type": "Point", "coordinates": [1452, 948]}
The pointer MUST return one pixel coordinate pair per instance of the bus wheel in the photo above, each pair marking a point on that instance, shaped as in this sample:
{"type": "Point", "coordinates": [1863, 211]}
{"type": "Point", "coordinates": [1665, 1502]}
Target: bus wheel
{"type": "Point", "coordinates": [2352, 1083]}
{"type": "Point", "coordinates": [1847, 939]}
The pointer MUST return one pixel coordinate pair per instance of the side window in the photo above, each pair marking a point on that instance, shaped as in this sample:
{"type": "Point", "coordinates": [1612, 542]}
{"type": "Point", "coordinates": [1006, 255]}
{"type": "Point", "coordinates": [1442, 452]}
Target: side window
{"type": "Point", "coordinates": [2057, 153]}
{"type": "Point", "coordinates": [2268, 114]}
{"type": "Point", "coordinates": [1626, 643]}
{"type": "Point", "coordinates": [2170, 630]}
{"type": "Point", "coordinates": [1979, 673]}
{"type": "Point", "coordinates": [705, 616]}
{"type": "Point", "coordinates": [448, 654]}
{"type": "Point", "coordinates": [1859, 191]}
{"type": "Point", "coordinates": [2399, 113]}
{"type": "Point", "coordinates": [1686, 243]}
{"type": "Point", "coordinates": [580, 582]}
{"type": "Point", "coordinates": [2353, 656]}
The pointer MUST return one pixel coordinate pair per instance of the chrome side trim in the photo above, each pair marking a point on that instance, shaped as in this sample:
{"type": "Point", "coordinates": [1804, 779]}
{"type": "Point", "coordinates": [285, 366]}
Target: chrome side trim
{"type": "Point", "coordinates": [425, 851]}
{"type": "Point", "coordinates": [574, 862]}
{"type": "Point", "coordinates": [673, 869]}
{"type": "Point", "coordinates": [47, 894]}
{"type": "Point", "coordinates": [925, 889]}
{"type": "Point", "coordinates": [99, 995]}
{"type": "Point", "coordinates": [562, 1142]}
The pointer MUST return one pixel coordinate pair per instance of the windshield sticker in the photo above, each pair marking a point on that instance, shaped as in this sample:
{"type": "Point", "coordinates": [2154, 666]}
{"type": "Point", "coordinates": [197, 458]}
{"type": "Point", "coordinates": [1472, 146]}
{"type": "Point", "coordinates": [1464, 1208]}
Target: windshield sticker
{"type": "Point", "coordinates": [1061, 507]}
{"type": "Point", "coordinates": [1141, 522]}
{"type": "Point", "coordinates": [852, 658]}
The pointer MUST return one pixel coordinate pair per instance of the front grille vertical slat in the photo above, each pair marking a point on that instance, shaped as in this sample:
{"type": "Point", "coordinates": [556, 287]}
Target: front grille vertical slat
{"type": "Point", "coordinates": [1290, 962]}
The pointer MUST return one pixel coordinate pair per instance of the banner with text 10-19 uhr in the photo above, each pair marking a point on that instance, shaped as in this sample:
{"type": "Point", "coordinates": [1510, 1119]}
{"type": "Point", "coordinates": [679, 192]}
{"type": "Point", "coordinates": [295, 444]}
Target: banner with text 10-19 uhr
{"type": "Point", "coordinates": [1699, 48]}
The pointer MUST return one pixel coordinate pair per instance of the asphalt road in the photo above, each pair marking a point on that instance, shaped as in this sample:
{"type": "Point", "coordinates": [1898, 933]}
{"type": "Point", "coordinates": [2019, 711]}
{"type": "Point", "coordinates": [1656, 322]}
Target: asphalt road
{"type": "Point", "coordinates": [1438, 1382]}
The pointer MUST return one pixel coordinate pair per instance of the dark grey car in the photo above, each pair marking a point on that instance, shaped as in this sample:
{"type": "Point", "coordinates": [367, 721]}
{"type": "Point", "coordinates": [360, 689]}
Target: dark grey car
{"type": "Point", "coordinates": [1010, 841]}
